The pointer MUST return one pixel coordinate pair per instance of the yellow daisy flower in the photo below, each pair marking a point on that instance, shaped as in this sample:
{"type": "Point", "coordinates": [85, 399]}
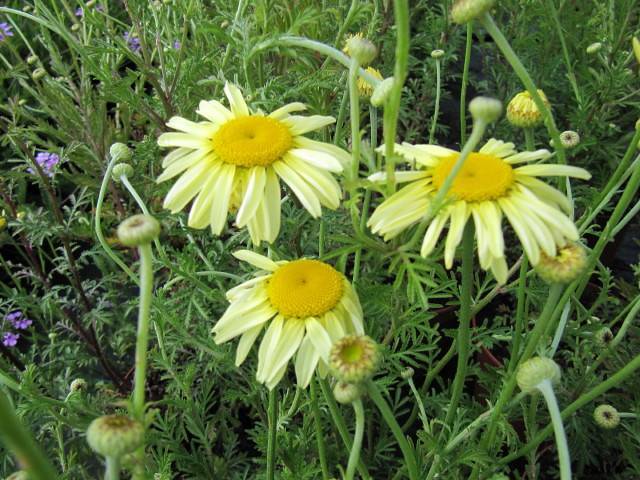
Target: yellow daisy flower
{"type": "Point", "coordinates": [233, 160]}
{"type": "Point", "coordinates": [306, 305]}
{"type": "Point", "coordinates": [489, 185]}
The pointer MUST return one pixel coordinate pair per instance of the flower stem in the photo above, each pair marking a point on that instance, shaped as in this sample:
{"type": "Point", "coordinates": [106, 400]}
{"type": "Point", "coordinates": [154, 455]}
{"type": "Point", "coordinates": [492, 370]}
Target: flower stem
{"type": "Point", "coordinates": [465, 82]}
{"type": "Point", "coordinates": [520, 313]}
{"type": "Point", "coordinates": [112, 470]}
{"type": "Point", "coordinates": [354, 456]}
{"type": "Point", "coordinates": [319, 435]}
{"type": "Point", "coordinates": [271, 439]}
{"type": "Point", "coordinates": [16, 437]}
{"type": "Point", "coordinates": [434, 120]}
{"type": "Point", "coordinates": [387, 414]}
{"type": "Point", "coordinates": [354, 114]}
{"type": "Point", "coordinates": [463, 340]}
{"type": "Point", "coordinates": [558, 428]}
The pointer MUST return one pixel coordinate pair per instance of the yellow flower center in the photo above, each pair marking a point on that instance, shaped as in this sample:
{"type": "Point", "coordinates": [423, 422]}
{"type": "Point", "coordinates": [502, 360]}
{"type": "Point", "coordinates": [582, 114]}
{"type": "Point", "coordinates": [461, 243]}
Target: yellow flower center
{"type": "Point", "coordinates": [305, 288]}
{"type": "Point", "coordinates": [252, 141]}
{"type": "Point", "coordinates": [482, 177]}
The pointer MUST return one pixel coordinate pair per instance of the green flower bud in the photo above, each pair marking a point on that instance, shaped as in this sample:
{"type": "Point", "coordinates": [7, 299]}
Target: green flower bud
{"type": "Point", "coordinates": [91, 3]}
{"type": "Point", "coordinates": [75, 27]}
{"type": "Point", "coordinates": [31, 59]}
{"type": "Point", "coordinates": [120, 152]}
{"type": "Point", "coordinates": [568, 264]}
{"type": "Point", "coordinates": [463, 11]}
{"type": "Point", "coordinates": [78, 385]}
{"type": "Point", "coordinates": [594, 48]}
{"type": "Point", "coordinates": [346, 393]}
{"type": "Point", "coordinates": [19, 475]}
{"type": "Point", "coordinates": [115, 435]}
{"type": "Point", "coordinates": [436, 54]}
{"type": "Point", "coordinates": [523, 112]}
{"type": "Point", "coordinates": [536, 370]}
{"type": "Point", "coordinates": [606, 416]}
{"type": "Point", "coordinates": [381, 92]}
{"type": "Point", "coordinates": [485, 109]}
{"type": "Point", "coordinates": [604, 336]}
{"type": "Point", "coordinates": [360, 48]}
{"type": "Point", "coordinates": [636, 48]}
{"type": "Point", "coordinates": [121, 169]}
{"type": "Point", "coordinates": [354, 358]}
{"type": "Point", "coordinates": [138, 230]}
{"type": "Point", "coordinates": [407, 373]}
{"type": "Point", "coordinates": [569, 138]}
{"type": "Point", "coordinates": [38, 73]}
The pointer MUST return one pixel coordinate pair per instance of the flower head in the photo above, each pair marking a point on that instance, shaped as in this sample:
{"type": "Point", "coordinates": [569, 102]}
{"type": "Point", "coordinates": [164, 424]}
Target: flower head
{"type": "Point", "coordinates": [138, 230]}
{"type": "Point", "coordinates": [5, 31]}
{"type": "Point", "coordinates": [604, 336]}
{"type": "Point", "coordinates": [463, 11]}
{"type": "Point", "coordinates": [360, 48]}
{"type": "Point", "coordinates": [569, 138]}
{"type": "Point", "coordinates": [365, 89]}
{"type": "Point", "coordinates": [132, 41]}
{"type": "Point", "coordinates": [523, 112]}
{"type": "Point", "coordinates": [346, 393]}
{"type": "Point", "coordinates": [233, 161]}
{"type": "Point", "coordinates": [306, 306]}
{"type": "Point", "coordinates": [606, 416]}
{"type": "Point", "coordinates": [176, 45]}
{"type": "Point", "coordinates": [535, 371]}
{"type": "Point", "coordinates": [18, 320]}
{"type": "Point", "coordinates": [490, 184]}
{"type": "Point", "coordinates": [115, 435]}
{"type": "Point", "coordinates": [565, 266]}
{"type": "Point", "coordinates": [10, 339]}
{"type": "Point", "coordinates": [47, 162]}
{"type": "Point", "coordinates": [354, 358]}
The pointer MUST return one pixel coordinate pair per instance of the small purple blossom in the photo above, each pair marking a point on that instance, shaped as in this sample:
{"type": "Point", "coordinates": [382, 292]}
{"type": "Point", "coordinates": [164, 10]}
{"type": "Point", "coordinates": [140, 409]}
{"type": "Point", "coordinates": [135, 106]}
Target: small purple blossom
{"type": "Point", "coordinates": [47, 162]}
{"type": "Point", "coordinates": [177, 44]}
{"type": "Point", "coordinates": [18, 320]}
{"type": "Point", "coordinates": [79, 12]}
{"type": "Point", "coordinates": [133, 41]}
{"type": "Point", "coordinates": [5, 31]}
{"type": "Point", "coordinates": [10, 339]}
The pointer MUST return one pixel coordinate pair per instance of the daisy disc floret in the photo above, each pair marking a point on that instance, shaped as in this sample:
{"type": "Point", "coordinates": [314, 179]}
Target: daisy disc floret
{"type": "Point", "coordinates": [235, 159]}
{"type": "Point", "coordinates": [491, 184]}
{"type": "Point", "coordinates": [305, 305]}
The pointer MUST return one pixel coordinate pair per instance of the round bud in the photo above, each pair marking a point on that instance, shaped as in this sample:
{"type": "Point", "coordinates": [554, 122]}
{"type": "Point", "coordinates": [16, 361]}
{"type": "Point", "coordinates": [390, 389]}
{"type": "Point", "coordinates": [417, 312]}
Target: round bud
{"type": "Point", "coordinates": [603, 337]}
{"type": "Point", "coordinates": [636, 48]}
{"type": "Point", "coordinates": [115, 435]}
{"type": "Point", "coordinates": [91, 3]}
{"type": "Point", "coordinates": [407, 373]}
{"type": "Point", "coordinates": [120, 152]}
{"type": "Point", "coordinates": [78, 385]}
{"type": "Point", "coordinates": [38, 73]}
{"type": "Point", "coordinates": [354, 358]}
{"type": "Point", "coordinates": [19, 475]}
{"type": "Point", "coordinates": [606, 416]}
{"type": "Point", "coordinates": [22, 102]}
{"type": "Point", "coordinates": [464, 11]}
{"type": "Point", "coordinates": [638, 125]}
{"type": "Point", "coordinates": [347, 392]}
{"type": "Point", "coordinates": [358, 47]}
{"type": "Point", "coordinates": [536, 370]}
{"type": "Point", "coordinates": [523, 112]}
{"type": "Point", "coordinates": [120, 170]}
{"type": "Point", "coordinates": [594, 48]}
{"type": "Point", "coordinates": [3, 223]}
{"type": "Point", "coordinates": [485, 109]}
{"type": "Point", "coordinates": [224, 24]}
{"type": "Point", "coordinates": [365, 89]}
{"type": "Point", "coordinates": [75, 27]}
{"type": "Point", "coordinates": [568, 264]}
{"type": "Point", "coordinates": [138, 230]}
{"type": "Point", "coordinates": [569, 138]}
{"type": "Point", "coordinates": [381, 92]}
{"type": "Point", "coordinates": [31, 59]}
{"type": "Point", "coordinates": [437, 54]}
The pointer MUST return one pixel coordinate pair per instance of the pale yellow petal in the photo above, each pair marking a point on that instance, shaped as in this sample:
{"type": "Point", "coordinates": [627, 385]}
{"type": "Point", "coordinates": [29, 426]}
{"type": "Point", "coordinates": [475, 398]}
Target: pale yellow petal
{"type": "Point", "coordinates": [255, 259]}
{"type": "Point", "coordinates": [498, 148]}
{"type": "Point", "coordinates": [236, 100]}
{"type": "Point", "coordinates": [220, 207]}
{"type": "Point", "coordinates": [204, 129]}
{"type": "Point", "coordinates": [214, 111]}
{"type": "Point", "coordinates": [306, 362]}
{"type": "Point", "coordinates": [187, 187]}
{"type": "Point", "coordinates": [319, 337]}
{"type": "Point", "coordinates": [253, 195]}
{"type": "Point", "coordinates": [247, 340]}
{"type": "Point", "coordinates": [284, 112]}
{"type": "Point", "coordinates": [459, 216]}
{"type": "Point", "coordinates": [317, 159]}
{"type": "Point", "coordinates": [187, 140]}
{"type": "Point", "coordinates": [552, 170]}
{"type": "Point", "coordinates": [299, 187]}
{"type": "Point", "coordinates": [299, 125]}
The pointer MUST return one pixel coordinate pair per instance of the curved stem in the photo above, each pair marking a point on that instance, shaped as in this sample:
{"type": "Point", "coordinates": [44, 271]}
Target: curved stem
{"type": "Point", "coordinates": [434, 120]}
{"type": "Point", "coordinates": [465, 82]}
{"type": "Point", "coordinates": [354, 456]}
{"type": "Point", "coordinates": [463, 340]}
{"type": "Point", "coordinates": [271, 439]}
{"type": "Point", "coordinates": [319, 435]}
{"type": "Point", "coordinates": [387, 415]}
{"type": "Point", "coordinates": [112, 470]}
{"type": "Point", "coordinates": [558, 428]}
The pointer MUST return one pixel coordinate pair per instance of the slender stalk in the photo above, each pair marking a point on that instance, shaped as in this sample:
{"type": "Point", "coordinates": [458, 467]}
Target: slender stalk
{"type": "Point", "coordinates": [271, 439]}
{"type": "Point", "coordinates": [19, 440]}
{"type": "Point", "coordinates": [387, 415]}
{"type": "Point", "coordinates": [520, 314]}
{"type": "Point", "coordinates": [465, 82]}
{"type": "Point", "coordinates": [434, 120]}
{"type": "Point", "coordinates": [354, 456]}
{"type": "Point", "coordinates": [354, 114]}
{"type": "Point", "coordinates": [322, 454]}
{"type": "Point", "coordinates": [112, 470]}
{"type": "Point", "coordinates": [463, 341]}
{"type": "Point", "coordinates": [558, 428]}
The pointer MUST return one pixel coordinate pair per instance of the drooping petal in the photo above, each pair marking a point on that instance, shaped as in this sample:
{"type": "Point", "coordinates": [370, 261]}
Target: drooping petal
{"type": "Point", "coordinates": [319, 337]}
{"type": "Point", "coordinates": [283, 112]}
{"type": "Point", "coordinates": [299, 125]}
{"type": "Point", "coordinates": [301, 189]}
{"type": "Point", "coordinates": [205, 129]}
{"type": "Point", "coordinates": [498, 148]}
{"type": "Point", "coordinates": [221, 205]}
{"type": "Point", "coordinates": [214, 111]}
{"type": "Point", "coordinates": [236, 100]}
{"type": "Point", "coordinates": [253, 195]}
{"type": "Point", "coordinates": [549, 170]}
{"type": "Point", "coordinates": [306, 362]}
{"type": "Point", "coordinates": [246, 342]}
{"type": "Point", "coordinates": [257, 260]}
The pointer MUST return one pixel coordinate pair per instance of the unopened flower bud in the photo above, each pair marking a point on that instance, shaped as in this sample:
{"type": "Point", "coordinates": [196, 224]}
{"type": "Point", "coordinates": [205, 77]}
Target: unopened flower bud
{"type": "Point", "coordinates": [115, 435]}
{"type": "Point", "coordinates": [77, 385]}
{"type": "Point", "coordinates": [536, 370]}
{"type": "Point", "coordinates": [604, 336]}
{"type": "Point", "coordinates": [365, 89]}
{"type": "Point", "coordinates": [138, 230]}
{"type": "Point", "coordinates": [27, 8]}
{"type": "Point", "coordinates": [91, 3]}
{"type": "Point", "coordinates": [569, 138]}
{"type": "Point", "coordinates": [31, 59]}
{"type": "Point", "coordinates": [606, 416]}
{"type": "Point", "coordinates": [463, 11]}
{"type": "Point", "coordinates": [636, 48]}
{"type": "Point", "coordinates": [120, 170]}
{"type": "Point", "coordinates": [120, 152]}
{"type": "Point", "coordinates": [354, 358]}
{"type": "Point", "coordinates": [523, 112]}
{"type": "Point", "coordinates": [38, 73]}
{"type": "Point", "coordinates": [224, 24]}
{"type": "Point", "coordinates": [407, 373]}
{"type": "Point", "coordinates": [594, 48]}
{"type": "Point", "coordinates": [486, 109]}
{"type": "Point", "coordinates": [360, 48]}
{"type": "Point", "coordinates": [437, 54]}
{"type": "Point", "coordinates": [381, 92]}
{"type": "Point", "coordinates": [19, 475]}
{"type": "Point", "coordinates": [75, 27]}
{"type": "Point", "coordinates": [347, 392]}
{"type": "Point", "coordinates": [568, 264]}
{"type": "Point", "coordinates": [3, 223]}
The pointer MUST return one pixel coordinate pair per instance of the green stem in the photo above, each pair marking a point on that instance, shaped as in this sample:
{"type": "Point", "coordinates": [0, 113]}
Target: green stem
{"type": "Point", "coordinates": [558, 428]}
{"type": "Point", "coordinates": [271, 439]}
{"type": "Point", "coordinates": [528, 139]}
{"type": "Point", "coordinates": [142, 340]}
{"type": "Point", "coordinates": [525, 78]}
{"type": "Point", "coordinates": [20, 441]}
{"type": "Point", "coordinates": [387, 414]}
{"type": "Point", "coordinates": [465, 82]}
{"type": "Point", "coordinates": [354, 114]}
{"type": "Point", "coordinates": [520, 314]}
{"type": "Point", "coordinates": [112, 470]}
{"type": "Point", "coordinates": [463, 340]}
{"type": "Point", "coordinates": [434, 120]}
{"type": "Point", "coordinates": [354, 456]}
{"type": "Point", "coordinates": [319, 435]}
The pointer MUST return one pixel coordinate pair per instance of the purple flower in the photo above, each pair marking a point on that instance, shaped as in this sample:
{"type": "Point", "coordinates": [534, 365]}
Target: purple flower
{"type": "Point", "coordinates": [18, 320]}
{"type": "Point", "coordinates": [5, 31]}
{"type": "Point", "coordinates": [177, 44]}
{"type": "Point", "coordinates": [47, 162]}
{"type": "Point", "coordinates": [79, 12]}
{"type": "Point", "coordinates": [133, 41]}
{"type": "Point", "coordinates": [10, 339]}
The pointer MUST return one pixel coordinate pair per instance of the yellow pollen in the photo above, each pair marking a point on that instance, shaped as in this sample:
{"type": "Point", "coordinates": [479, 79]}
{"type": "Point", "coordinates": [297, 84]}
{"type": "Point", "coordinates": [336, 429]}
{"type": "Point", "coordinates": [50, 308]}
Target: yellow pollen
{"type": "Point", "coordinates": [482, 177]}
{"type": "Point", "coordinates": [252, 141]}
{"type": "Point", "coordinates": [305, 288]}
